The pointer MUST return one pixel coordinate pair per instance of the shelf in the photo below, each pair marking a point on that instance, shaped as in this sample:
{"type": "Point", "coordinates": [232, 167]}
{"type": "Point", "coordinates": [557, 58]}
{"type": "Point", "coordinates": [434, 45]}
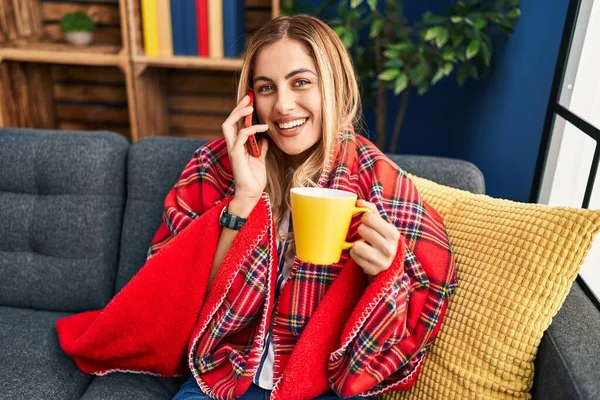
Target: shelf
{"type": "Point", "coordinates": [191, 62]}
{"type": "Point", "coordinates": [47, 83]}
{"type": "Point", "coordinates": [62, 53]}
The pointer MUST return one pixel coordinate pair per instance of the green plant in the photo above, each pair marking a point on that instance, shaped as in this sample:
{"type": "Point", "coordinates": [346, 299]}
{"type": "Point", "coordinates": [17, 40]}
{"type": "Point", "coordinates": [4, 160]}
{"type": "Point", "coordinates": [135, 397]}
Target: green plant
{"type": "Point", "coordinates": [77, 22]}
{"type": "Point", "coordinates": [401, 57]}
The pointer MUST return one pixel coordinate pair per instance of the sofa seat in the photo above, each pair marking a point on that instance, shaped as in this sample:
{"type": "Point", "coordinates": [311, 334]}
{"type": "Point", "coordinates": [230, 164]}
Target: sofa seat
{"type": "Point", "coordinates": [33, 364]}
{"type": "Point", "coordinates": [119, 386]}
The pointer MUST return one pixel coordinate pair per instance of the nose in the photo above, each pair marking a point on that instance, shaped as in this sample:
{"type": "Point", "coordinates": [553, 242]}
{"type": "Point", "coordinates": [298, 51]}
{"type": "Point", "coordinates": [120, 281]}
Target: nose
{"type": "Point", "coordinates": [285, 101]}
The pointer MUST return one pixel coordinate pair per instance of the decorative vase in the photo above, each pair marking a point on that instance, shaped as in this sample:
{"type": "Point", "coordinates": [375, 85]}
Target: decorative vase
{"type": "Point", "coordinates": [81, 38]}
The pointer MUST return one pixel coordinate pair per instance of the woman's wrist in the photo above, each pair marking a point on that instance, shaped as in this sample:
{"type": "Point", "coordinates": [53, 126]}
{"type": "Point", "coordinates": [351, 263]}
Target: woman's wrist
{"type": "Point", "coordinates": [242, 206]}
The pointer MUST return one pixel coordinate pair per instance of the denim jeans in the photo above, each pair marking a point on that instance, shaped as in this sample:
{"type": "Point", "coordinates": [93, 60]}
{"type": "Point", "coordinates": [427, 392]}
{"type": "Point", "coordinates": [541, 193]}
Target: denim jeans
{"type": "Point", "coordinates": [191, 391]}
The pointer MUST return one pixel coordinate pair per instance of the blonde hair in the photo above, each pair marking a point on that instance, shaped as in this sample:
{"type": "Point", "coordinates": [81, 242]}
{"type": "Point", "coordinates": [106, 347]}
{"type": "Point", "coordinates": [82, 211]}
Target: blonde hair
{"type": "Point", "coordinates": [340, 99]}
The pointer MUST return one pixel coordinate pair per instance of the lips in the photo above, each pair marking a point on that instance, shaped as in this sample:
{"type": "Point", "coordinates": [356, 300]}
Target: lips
{"type": "Point", "coordinates": [291, 131]}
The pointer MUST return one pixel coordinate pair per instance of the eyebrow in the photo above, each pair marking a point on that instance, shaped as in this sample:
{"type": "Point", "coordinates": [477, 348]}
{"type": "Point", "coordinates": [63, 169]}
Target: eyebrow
{"type": "Point", "coordinates": [288, 76]}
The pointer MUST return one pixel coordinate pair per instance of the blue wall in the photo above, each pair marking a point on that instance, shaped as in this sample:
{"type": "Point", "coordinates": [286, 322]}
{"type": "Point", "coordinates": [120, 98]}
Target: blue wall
{"type": "Point", "coordinates": [500, 121]}
{"type": "Point", "coordinates": [496, 123]}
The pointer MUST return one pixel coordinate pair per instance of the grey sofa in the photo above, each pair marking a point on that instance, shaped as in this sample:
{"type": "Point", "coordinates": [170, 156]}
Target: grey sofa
{"type": "Point", "coordinates": [77, 213]}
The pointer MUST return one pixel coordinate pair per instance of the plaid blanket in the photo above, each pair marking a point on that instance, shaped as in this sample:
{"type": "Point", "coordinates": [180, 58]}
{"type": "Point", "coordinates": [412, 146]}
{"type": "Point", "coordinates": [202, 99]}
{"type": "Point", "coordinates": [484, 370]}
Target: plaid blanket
{"type": "Point", "coordinates": [329, 323]}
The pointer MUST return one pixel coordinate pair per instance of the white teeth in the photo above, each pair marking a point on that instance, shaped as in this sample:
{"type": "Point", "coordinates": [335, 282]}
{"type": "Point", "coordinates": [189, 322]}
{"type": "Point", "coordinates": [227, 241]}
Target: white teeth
{"type": "Point", "coordinates": [292, 124]}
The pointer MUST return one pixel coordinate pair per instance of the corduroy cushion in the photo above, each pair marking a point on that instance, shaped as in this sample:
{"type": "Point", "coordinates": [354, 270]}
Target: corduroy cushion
{"type": "Point", "coordinates": [515, 265]}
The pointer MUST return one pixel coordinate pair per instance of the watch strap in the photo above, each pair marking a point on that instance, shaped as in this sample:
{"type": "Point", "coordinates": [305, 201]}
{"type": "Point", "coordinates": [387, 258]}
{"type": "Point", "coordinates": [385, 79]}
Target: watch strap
{"type": "Point", "coordinates": [231, 221]}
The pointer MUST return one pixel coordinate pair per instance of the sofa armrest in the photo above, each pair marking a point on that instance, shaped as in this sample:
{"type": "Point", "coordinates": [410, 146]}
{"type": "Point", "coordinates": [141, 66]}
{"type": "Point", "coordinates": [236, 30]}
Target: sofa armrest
{"type": "Point", "coordinates": [567, 365]}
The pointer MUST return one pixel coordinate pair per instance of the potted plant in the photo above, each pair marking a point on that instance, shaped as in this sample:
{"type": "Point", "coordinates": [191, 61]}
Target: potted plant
{"type": "Point", "coordinates": [78, 28]}
{"type": "Point", "coordinates": [395, 55]}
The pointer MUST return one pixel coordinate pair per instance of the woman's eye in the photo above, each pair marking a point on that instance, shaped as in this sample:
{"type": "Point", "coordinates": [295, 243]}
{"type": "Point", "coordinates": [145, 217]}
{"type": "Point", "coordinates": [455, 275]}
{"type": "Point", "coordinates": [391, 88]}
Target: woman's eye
{"type": "Point", "coordinates": [301, 82]}
{"type": "Point", "coordinates": [265, 88]}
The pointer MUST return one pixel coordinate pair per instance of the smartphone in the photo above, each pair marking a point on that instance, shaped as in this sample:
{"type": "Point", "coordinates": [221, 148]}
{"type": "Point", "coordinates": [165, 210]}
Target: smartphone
{"type": "Point", "coordinates": [252, 143]}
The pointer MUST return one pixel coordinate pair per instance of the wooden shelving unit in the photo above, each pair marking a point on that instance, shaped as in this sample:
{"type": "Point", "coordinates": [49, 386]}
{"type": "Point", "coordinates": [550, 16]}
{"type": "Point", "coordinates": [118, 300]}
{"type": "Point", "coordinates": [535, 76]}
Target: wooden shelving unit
{"type": "Point", "coordinates": [62, 53]}
{"type": "Point", "coordinates": [112, 84]}
{"type": "Point", "coordinates": [184, 62]}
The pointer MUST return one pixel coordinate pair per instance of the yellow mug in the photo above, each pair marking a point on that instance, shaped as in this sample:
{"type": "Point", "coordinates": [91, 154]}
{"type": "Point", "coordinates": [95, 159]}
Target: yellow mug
{"type": "Point", "coordinates": [321, 219]}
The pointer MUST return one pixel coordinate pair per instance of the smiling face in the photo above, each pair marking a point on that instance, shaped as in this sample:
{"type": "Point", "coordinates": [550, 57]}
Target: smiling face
{"type": "Point", "coordinates": [288, 98]}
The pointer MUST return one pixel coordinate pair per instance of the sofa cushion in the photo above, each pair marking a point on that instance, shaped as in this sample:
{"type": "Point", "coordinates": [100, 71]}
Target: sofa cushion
{"type": "Point", "coordinates": [120, 386]}
{"type": "Point", "coordinates": [62, 196]}
{"type": "Point", "coordinates": [515, 264]}
{"type": "Point", "coordinates": [154, 165]}
{"type": "Point", "coordinates": [32, 365]}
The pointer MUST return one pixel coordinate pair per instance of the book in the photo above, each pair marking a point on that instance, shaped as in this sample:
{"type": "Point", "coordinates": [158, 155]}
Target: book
{"type": "Point", "coordinates": [165, 37]}
{"type": "Point", "coordinates": [234, 28]}
{"type": "Point", "coordinates": [178, 27]}
{"type": "Point", "coordinates": [202, 23]}
{"type": "Point", "coordinates": [150, 28]}
{"type": "Point", "coordinates": [191, 32]}
{"type": "Point", "coordinates": [215, 28]}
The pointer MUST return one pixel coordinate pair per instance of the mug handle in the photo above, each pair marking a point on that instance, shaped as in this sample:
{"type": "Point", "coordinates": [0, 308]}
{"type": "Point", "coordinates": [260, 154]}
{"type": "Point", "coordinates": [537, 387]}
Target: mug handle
{"type": "Point", "coordinates": [356, 210]}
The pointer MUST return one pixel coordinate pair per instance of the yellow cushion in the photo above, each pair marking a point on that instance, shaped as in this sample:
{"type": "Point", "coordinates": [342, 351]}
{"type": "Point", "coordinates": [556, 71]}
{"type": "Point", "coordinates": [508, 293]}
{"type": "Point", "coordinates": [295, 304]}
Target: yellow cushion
{"type": "Point", "coordinates": [515, 265]}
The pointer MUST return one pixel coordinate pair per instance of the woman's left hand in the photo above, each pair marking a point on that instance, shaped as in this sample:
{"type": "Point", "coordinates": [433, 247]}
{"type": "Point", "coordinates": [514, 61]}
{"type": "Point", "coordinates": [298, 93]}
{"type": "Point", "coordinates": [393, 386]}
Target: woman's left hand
{"type": "Point", "coordinates": [377, 252]}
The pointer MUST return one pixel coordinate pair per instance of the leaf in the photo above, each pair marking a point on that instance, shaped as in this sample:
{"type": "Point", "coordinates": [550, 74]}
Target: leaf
{"type": "Point", "coordinates": [391, 54]}
{"type": "Point", "coordinates": [457, 38]}
{"type": "Point", "coordinates": [448, 55]}
{"type": "Point", "coordinates": [422, 89]}
{"type": "Point", "coordinates": [433, 32]}
{"type": "Point", "coordinates": [513, 14]}
{"type": "Point", "coordinates": [395, 63]}
{"type": "Point", "coordinates": [437, 33]}
{"type": "Point", "coordinates": [456, 19]}
{"type": "Point", "coordinates": [472, 70]}
{"type": "Point", "coordinates": [438, 76]}
{"type": "Point", "coordinates": [340, 30]}
{"type": "Point", "coordinates": [418, 73]}
{"type": "Point", "coordinates": [473, 48]}
{"type": "Point", "coordinates": [430, 19]}
{"type": "Point", "coordinates": [400, 84]}
{"type": "Point", "coordinates": [401, 46]}
{"type": "Point", "coordinates": [372, 4]}
{"type": "Point", "coordinates": [348, 40]}
{"type": "Point", "coordinates": [461, 75]}
{"type": "Point", "coordinates": [447, 68]}
{"type": "Point", "coordinates": [355, 3]}
{"type": "Point", "coordinates": [389, 74]}
{"type": "Point", "coordinates": [486, 53]}
{"type": "Point", "coordinates": [442, 39]}
{"type": "Point", "coordinates": [376, 27]}
{"type": "Point", "coordinates": [480, 24]}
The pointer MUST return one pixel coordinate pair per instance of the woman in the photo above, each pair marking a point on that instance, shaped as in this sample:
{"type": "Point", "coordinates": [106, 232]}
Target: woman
{"type": "Point", "coordinates": [251, 320]}
{"type": "Point", "coordinates": [306, 94]}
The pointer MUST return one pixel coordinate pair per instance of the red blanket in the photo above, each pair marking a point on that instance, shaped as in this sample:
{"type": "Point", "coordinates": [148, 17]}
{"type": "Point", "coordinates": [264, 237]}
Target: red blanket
{"type": "Point", "coordinates": [328, 323]}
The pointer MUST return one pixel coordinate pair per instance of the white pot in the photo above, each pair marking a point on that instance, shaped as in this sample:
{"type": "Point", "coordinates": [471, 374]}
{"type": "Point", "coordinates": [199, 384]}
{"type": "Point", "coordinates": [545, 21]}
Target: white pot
{"type": "Point", "coordinates": [79, 38]}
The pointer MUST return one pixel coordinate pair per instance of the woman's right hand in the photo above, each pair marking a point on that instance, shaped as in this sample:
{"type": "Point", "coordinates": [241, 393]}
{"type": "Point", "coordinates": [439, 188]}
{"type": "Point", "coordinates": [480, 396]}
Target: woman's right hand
{"type": "Point", "coordinates": [249, 172]}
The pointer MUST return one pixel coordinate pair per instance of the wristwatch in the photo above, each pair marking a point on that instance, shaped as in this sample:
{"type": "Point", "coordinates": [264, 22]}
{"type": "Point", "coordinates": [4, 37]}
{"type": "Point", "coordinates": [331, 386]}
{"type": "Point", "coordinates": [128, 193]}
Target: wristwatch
{"type": "Point", "coordinates": [231, 221]}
